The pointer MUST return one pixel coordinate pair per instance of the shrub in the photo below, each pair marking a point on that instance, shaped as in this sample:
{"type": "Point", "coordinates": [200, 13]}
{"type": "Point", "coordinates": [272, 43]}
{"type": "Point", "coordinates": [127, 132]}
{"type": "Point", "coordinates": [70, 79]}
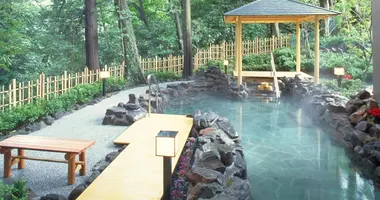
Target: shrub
{"type": "Point", "coordinates": [29, 113]}
{"type": "Point", "coordinates": [16, 191]}
{"type": "Point", "coordinates": [348, 87]}
{"type": "Point", "coordinates": [257, 62]}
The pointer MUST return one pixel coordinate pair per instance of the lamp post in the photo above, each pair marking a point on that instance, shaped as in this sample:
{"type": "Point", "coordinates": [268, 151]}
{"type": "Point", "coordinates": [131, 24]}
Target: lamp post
{"type": "Point", "coordinates": [339, 72]}
{"type": "Point", "coordinates": [104, 75]}
{"type": "Point", "coordinates": [166, 147]}
{"type": "Point", "coordinates": [225, 66]}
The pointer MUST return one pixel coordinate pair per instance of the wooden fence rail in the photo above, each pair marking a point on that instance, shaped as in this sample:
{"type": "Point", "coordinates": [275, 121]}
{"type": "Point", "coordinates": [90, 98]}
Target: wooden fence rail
{"type": "Point", "coordinates": [49, 87]}
{"type": "Point", "coordinates": [215, 52]}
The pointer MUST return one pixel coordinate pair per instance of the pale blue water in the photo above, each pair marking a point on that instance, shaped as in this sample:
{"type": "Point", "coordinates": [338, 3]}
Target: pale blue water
{"type": "Point", "coordinates": [288, 158]}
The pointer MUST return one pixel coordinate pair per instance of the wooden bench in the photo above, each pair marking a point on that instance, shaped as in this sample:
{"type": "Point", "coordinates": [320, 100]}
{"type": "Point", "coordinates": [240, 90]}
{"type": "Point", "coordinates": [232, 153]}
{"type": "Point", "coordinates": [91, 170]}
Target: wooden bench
{"type": "Point", "coordinates": [70, 147]}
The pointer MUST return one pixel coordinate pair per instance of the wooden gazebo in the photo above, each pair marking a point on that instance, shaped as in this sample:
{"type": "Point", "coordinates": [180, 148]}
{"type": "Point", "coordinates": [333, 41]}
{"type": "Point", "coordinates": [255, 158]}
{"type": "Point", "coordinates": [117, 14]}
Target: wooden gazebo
{"type": "Point", "coordinates": [277, 11]}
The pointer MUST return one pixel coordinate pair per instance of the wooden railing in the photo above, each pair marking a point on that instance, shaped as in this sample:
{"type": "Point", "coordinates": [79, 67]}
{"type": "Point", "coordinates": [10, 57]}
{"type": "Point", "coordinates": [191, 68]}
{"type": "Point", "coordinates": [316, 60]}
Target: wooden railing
{"type": "Point", "coordinates": [20, 93]}
{"type": "Point", "coordinates": [215, 52]}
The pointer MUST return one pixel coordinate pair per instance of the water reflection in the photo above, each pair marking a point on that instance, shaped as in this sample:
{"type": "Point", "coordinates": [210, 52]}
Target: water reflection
{"type": "Point", "coordinates": [287, 156]}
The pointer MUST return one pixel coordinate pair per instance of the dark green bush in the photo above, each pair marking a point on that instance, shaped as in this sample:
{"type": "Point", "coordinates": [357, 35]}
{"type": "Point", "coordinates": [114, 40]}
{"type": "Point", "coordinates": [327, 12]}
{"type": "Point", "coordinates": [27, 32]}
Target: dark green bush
{"type": "Point", "coordinates": [285, 60]}
{"type": "Point", "coordinates": [257, 62]}
{"type": "Point", "coordinates": [29, 113]}
{"type": "Point", "coordinates": [165, 76]}
{"type": "Point", "coordinates": [16, 191]}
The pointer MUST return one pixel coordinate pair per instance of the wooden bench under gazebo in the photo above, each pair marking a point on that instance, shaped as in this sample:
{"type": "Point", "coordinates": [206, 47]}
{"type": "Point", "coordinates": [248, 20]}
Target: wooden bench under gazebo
{"type": "Point", "coordinates": [277, 11]}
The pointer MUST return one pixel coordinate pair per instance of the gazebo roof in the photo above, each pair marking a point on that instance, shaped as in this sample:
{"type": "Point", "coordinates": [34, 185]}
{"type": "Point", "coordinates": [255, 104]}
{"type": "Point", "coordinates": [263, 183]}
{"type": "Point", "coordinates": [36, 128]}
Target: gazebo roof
{"type": "Point", "coordinates": [282, 11]}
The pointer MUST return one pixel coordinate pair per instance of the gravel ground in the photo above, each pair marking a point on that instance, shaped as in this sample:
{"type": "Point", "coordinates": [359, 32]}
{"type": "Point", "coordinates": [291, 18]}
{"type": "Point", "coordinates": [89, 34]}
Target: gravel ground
{"type": "Point", "coordinates": [46, 177]}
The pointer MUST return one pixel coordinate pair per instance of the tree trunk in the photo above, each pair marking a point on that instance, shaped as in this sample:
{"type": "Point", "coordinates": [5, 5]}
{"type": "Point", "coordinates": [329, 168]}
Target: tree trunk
{"type": "Point", "coordinates": [325, 25]}
{"type": "Point", "coordinates": [187, 45]}
{"type": "Point", "coordinates": [91, 34]}
{"type": "Point", "coordinates": [177, 22]}
{"type": "Point", "coordinates": [122, 40]}
{"type": "Point", "coordinates": [275, 30]}
{"type": "Point", "coordinates": [135, 74]}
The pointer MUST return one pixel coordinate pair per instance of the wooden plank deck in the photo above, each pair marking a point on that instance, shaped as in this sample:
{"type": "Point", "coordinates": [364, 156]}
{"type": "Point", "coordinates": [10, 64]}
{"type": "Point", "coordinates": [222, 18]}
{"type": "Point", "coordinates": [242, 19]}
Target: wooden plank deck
{"type": "Point", "coordinates": [136, 174]}
{"type": "Point", "coordinates": [266, 74]}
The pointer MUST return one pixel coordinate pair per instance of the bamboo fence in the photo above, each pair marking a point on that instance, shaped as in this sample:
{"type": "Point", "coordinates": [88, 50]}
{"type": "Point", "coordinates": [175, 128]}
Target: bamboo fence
{"type": "Point", "coordinates": [215, 52]}
{"type": "Point", "coordinates": [49, 87]}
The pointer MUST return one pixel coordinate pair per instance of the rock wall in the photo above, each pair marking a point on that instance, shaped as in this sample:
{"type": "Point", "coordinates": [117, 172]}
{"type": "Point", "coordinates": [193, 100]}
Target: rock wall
{"type": "Point", "coordinates": [125, 114]}
{"type": "Point", "coordinates": [349, 120]}
{"type": "Point", "coordinates": [213, 79]}
{"type": "Point", "coordinates": [219, 170]}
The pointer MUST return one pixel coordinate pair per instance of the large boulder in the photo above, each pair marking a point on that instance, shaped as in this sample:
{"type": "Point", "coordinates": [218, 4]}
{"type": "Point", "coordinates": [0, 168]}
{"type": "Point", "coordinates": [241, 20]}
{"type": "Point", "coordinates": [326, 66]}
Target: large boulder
{"type": "Point", "coordinates": [53, 197]}
{"type": "Point", "coordinates": [204, 175]}
{"type": "Point", "coordinates": [225, 125]}
{"type": "Point", "coordinates": [359, 115]}
{"type": "Point", "coordinates": [204, 120]}
{"type": "Point", "coordinates": [238, 189]}
{"type": "Point", "coordinates": [124, 114]}
{"type": "Point", "coordinates": [363, 95]}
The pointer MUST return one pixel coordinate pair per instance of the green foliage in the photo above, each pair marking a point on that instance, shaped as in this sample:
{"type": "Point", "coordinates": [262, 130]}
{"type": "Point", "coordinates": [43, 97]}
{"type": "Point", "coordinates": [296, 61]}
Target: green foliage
{"type": "Point", "coordinates": [165, 76]}
{"type": "Point", "coordinates": [348, 88]}
{"type": "Point", "coordinates": [16, 191]}
{"type": "Point", "coordinates": [29, 113]}
{"type": "Point", "coordinates": [260, 62]}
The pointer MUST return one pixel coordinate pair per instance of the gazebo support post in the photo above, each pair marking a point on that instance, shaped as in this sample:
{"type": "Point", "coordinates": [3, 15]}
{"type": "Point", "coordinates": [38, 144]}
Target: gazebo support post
{"type": "Point", "coordinates": [298, 47]}
{"type": "Point", "coordinates": [376, 49]}
{"type": "Point", "coordinates": [238, 51]}
{"type": "Point", "coordinates": [316, 49]}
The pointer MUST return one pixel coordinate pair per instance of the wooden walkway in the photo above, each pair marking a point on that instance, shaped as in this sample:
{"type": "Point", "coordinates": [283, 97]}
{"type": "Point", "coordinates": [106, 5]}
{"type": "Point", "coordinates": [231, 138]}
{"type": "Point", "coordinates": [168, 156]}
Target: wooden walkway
{"type": "Point", "coordinates": [136, 174]}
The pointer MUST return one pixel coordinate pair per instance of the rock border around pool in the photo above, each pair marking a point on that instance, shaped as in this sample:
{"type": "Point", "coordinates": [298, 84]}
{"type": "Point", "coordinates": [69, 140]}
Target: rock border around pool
{"type": "Point", "coordinates": [348, 121]}
{"type": "Point", "coordinates": [218, 170]}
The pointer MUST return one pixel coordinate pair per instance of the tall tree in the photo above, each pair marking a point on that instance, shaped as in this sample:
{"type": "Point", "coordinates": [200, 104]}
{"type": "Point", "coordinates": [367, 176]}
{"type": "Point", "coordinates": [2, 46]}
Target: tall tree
{"type": "Point", "coordinates": [274, 29]}
{"type": "Point", "coordinates": [187, 45]}
{"type": "Point", "coordinates": [325, 26]}
{"type": "Point", "coordinates": [134, 72]}
{"type": "Point", "coordinates": [91, 34]}
{"type": "Point", "coordinates": [175, 16]}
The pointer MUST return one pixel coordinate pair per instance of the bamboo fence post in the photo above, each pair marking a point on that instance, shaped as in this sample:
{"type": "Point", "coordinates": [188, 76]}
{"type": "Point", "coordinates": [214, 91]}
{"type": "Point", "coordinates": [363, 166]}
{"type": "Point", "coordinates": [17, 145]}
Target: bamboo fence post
{"type": "Point", "coordinates": [10, 96]}
{"type": "Point", "coordinates": [42, 85]}
{"type": "Point", "coordinates": [156, 63]}
{"type": "Point", "coordinates": [196, 59]}
{"type": "Point", "coordinates": [19, 94]}
{"type": "Point", "coordinates": [3, 98]}
{"type": "Point", "coordinates": [55, 86]}
{"type": "Point", "coordinates": [70, 85]}
{"type": "Point", "coordinates": [14, 92]}
{"type": "Point", "coordinates": [31, 91]}
{"type": "Point", "coordinates": [38, 92]}
{"type": "Point", "coordinates": [23, 93]}
{"type": "Point", "coordinates": [65, 81]}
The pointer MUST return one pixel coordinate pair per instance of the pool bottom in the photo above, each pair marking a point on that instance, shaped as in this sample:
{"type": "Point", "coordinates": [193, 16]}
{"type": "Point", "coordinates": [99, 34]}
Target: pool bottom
{"type": "Point", "coordinates": [287, 156]}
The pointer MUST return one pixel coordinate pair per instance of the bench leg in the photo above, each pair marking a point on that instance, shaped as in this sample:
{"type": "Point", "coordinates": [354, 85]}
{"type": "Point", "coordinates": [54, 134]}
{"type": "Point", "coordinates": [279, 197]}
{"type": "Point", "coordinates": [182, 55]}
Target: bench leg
{"type": "Point", "coordinates": [8, 163]}
{"type": "Point", "coordinates": [82, 157]}
{"type": "Point", "coordinates": [71, 168]}
{"type": "Point", "coordinates": [21, 162]}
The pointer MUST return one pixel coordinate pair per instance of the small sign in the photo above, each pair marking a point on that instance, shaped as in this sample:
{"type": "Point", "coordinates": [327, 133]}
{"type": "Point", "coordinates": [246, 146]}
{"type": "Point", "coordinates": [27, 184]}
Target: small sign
{"type": "Point", "coordinates": [104, 74]}
{"type": "Point", "coordinates": [339, 71]}
{"type": "Point", "coordinates": [225, 62]}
